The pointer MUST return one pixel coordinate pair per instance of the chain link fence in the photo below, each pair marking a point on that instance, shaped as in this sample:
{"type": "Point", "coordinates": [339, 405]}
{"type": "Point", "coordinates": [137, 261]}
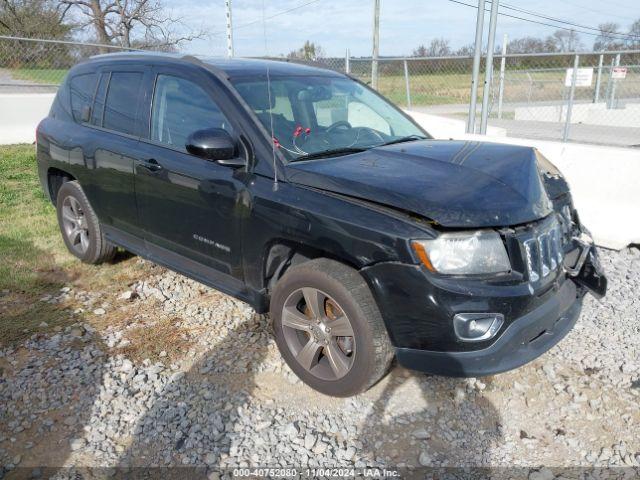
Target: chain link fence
{"type": "Point", "coordinates": [540, 97]}
{"type": "Point", "coordinates": [531, 94]}
{"type": "Point", "coordinates": [35, 65]}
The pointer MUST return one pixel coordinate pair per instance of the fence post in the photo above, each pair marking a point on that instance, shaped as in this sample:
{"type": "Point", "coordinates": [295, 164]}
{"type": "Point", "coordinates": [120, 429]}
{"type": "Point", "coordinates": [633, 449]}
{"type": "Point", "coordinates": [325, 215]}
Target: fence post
{"type": "Point", "coordinates": [376, 44]}
{"type": "Point", "coordinates": [406, 83]}
{"type": "Point", "coordinates": [607, 91]}
{"type": "Point", "coordinates": [477, 53]}
{"type": "Point", "coordinates": [503, 63]}
{"type": "Point", "coordinates": [488, 68]}
{"type": "Point", "coordinates": [572, 92]}
{"type": "Point", "coordinates": [347, 62]}
{"type": "Point", "coordinates": [596, 95]}
{"type": "Point", "coordinates": [612, 100]}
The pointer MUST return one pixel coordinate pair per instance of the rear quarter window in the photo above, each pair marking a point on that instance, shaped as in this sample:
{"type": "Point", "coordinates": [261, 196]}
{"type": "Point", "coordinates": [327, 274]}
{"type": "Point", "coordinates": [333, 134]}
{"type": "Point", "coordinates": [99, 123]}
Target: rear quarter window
{"type": "Point", "coordinates": [81, 89]}
{"type": "Point", "coordinates": [120, 109]}
{"type": "Point", "coordinates": [98, 105]}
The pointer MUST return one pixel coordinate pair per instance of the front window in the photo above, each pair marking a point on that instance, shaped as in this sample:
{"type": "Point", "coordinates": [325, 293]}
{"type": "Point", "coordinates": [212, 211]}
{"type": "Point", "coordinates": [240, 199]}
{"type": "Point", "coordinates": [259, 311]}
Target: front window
{"type": "Point", "coordinates": [324, 116]}
{"type": "Point", "coordinates": [180, 107]}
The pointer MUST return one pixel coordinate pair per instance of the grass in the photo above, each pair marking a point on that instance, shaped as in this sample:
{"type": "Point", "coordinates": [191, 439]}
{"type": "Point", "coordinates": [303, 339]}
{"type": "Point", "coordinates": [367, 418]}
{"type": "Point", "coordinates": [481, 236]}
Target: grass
{"type": "Point", "coordinates": [27, 223]}
{"type": "Point", "coordinates": [150, 342]}
{"type": "Point", "coordinates": [40, 75]}
{"type": "Point", "coordinates": [33, 258]}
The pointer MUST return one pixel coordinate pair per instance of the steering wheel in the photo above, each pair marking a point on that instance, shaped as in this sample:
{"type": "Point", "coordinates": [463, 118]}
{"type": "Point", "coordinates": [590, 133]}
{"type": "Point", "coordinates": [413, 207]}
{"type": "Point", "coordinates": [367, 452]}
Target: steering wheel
{"type": "Point", "coordinates": [339, 124]}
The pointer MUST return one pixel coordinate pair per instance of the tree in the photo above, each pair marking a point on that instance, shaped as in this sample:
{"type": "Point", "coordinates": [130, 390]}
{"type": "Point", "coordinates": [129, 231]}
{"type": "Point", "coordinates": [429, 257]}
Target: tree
{"type": "Point", "coordinates": [466, 50]}
{"type": "Point", "coordinates": [309, 51]}
{"type": "Point", "coordinates": [531, 45]}
{"type": "Point", "coordinates": [634, 31]}
{"type": "Point", "coordinates": [33, 19]}
{"type": "Point", "coordinates": [420, 51]}
{"type": "Point", "coordinates": [527, 45]}
{"type": "Point", "coordinates": [608, 39]}
{"type": "Point", "coordinates": [130, 23]}
{"type": "Point", "coordinates": [438, 47]}
{"type": "Point", "coordinates": [565, 41]}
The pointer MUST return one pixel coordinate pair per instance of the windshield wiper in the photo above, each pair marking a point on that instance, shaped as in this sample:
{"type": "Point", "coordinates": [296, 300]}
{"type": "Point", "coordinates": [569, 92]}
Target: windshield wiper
{"type": "Point", "coordinates": [334, 152]}
{"type": "Point", "coordinates": [408, 138]}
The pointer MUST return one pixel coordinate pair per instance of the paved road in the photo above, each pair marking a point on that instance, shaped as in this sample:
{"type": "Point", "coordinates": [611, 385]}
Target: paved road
{"type": "Point", "coordinates": [583, 133]}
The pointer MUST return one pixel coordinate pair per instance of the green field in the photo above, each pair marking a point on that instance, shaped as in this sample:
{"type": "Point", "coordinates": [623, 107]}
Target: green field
{"type": "Point", "coordinates": [52, 76]}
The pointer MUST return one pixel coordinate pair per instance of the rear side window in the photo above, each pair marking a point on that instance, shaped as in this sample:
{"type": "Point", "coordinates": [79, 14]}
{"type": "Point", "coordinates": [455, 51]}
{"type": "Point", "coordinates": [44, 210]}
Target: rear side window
{"type": "Point", "coordinates": [98, 104]}
{"type": "Point", "coordinates": [82, 89]}
{"type": "Point", "coordinates": [180, 107]}
{"type": "Point", "coordinates": [123, 93]}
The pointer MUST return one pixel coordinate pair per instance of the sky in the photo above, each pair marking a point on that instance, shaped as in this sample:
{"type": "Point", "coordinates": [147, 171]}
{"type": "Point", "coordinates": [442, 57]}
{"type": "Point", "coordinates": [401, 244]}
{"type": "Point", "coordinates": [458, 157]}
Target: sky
{"type": "Point", "coordinates": [404, 24]}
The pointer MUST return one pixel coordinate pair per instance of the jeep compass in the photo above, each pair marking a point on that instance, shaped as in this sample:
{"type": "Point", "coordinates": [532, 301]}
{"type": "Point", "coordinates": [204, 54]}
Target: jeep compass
{"type": "Point", "coordinates": [306, 194]}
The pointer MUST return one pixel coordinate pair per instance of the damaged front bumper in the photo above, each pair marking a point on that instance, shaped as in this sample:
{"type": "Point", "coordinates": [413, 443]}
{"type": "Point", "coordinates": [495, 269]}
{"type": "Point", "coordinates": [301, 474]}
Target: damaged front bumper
{"type": "Point", "coordinates": [525, 339]}
{"type": "Point", "coordinates": [418, 309]}
{"type": "Point", "coordinates": [587, 270]}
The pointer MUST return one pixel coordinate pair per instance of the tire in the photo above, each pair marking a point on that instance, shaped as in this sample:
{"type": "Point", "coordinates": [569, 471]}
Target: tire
{"type": "Point", "coordinates": [80, 227]}
{"type": "Point", "coordinates": [333, 364]}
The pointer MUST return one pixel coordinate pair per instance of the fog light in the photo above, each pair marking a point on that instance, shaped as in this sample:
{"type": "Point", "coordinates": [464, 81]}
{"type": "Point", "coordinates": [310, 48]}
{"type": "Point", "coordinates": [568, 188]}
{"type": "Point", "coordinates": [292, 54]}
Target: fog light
{"type": "Point", "coordinates": [475, 327]}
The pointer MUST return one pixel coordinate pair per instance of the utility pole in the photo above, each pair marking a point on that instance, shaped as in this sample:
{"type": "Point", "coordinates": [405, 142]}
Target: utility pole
{"type": "Point", "coordinates": [376, 44]}
{"type": "Point", "coordinates": [471, 120]}
{"type": "Point", "coordinates": [503, 64]}
{"type": "Point", "coordinates": [229, 30]}
{"type": "Point", "coordinates": [488, 68]}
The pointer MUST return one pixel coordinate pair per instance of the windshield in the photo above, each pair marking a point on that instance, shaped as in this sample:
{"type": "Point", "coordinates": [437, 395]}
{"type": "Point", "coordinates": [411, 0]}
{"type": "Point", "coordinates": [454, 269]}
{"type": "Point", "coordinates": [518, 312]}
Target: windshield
{"type": "Point", "coordinates": [324, 116]}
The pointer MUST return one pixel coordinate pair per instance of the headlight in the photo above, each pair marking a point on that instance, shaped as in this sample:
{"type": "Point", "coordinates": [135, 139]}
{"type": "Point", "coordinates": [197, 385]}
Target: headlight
{"type": "Point", "coordinates": [464, 253]}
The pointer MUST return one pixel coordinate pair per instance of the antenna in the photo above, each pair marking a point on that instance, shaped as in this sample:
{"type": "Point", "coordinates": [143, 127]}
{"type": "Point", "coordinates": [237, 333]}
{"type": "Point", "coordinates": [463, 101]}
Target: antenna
{"type": "Point", "coordinates": [273, 138]}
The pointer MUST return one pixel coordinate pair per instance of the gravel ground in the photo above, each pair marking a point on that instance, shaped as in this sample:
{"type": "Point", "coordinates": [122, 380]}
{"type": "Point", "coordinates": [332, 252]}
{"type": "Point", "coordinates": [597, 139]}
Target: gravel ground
{"type": "Point", "coordinates": [226, 399]}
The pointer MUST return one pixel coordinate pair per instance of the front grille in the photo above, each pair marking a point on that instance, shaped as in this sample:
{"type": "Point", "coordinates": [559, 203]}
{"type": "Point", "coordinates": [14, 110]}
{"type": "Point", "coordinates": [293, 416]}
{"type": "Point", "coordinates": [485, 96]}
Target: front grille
{"type": "Point", "coordinates": [543, 250]}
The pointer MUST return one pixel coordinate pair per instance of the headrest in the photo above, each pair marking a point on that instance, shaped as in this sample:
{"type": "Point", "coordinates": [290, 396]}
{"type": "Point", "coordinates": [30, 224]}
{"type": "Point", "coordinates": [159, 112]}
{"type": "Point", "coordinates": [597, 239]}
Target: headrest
{"type": "Point", "coordinates": [256, 95]}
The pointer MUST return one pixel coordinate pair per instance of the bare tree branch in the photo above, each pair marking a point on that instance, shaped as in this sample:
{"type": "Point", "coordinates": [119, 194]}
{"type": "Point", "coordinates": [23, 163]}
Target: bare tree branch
{"type": "Point", "coordinates": [133, 23]}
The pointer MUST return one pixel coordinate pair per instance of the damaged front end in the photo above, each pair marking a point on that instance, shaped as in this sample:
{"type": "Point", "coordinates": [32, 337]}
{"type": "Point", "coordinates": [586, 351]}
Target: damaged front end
{"type": "Point", "coordinates": [482, 321]}
{"type": "Point", "coordinates": [580, 257]}
{"type": "Point", "coordinates": [587, 270]}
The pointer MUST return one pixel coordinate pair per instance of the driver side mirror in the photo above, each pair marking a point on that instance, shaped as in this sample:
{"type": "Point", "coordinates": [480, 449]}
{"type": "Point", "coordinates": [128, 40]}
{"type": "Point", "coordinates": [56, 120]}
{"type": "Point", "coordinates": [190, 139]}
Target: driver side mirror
{"type": "Point", "coordinates": [213, 144]}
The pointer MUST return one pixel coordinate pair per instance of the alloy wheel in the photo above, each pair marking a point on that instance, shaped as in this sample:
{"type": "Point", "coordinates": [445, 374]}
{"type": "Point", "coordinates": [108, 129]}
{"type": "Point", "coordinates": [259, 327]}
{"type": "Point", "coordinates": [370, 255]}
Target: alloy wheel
{"type": "Point", "coordinates": [318, 333]}
{"type": "Point", "coordinates": [75, 226]}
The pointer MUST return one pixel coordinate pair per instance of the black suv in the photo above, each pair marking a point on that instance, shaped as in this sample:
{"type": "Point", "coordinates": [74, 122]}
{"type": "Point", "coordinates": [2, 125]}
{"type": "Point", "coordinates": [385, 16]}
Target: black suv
{"type": "Point", "coordinates": [305, 193]}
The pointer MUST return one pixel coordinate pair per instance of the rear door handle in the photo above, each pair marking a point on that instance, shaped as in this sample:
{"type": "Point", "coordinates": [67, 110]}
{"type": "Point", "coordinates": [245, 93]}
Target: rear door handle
{"type": "Point", "coordinates": [151, 164]}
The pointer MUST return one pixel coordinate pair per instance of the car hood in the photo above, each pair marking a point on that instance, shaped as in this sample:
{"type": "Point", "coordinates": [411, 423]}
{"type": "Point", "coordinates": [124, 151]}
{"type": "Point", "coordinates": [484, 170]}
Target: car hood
{"type": "Point", "coordinates": [455, 183]}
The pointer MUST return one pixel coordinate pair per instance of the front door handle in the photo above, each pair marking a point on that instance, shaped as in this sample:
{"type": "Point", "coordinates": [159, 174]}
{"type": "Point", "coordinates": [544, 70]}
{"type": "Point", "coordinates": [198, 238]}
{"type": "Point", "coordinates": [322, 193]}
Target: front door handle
{"type": "Point", "coordinates": [151, 164]}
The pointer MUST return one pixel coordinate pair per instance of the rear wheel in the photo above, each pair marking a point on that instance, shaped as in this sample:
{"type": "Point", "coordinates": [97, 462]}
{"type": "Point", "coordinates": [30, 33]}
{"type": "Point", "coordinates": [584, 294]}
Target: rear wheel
{"type": "Point", "coordinates": [80, 227]}
{"type": "Point", "coordinates": [329, 329]}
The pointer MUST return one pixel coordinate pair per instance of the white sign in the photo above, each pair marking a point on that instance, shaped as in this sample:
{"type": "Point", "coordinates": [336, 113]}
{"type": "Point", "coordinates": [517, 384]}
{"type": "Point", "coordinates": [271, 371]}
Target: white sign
{"type": "Point", "coordinates": [584, 77]}
{"type": "Point", "coordinates": [619, 73]}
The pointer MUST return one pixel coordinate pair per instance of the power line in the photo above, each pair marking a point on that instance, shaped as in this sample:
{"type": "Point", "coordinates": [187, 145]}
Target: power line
{"type": "Point", "coordinates": [613, 36]}
{"type": "Point", "coordinates": [596, 11]}
{"type": "Point", "coordinates": [554, 19]}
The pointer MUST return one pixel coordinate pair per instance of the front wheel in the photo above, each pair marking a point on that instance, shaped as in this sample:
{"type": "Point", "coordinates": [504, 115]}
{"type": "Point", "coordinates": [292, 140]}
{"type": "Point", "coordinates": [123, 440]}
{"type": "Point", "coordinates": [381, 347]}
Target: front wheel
{"type": "Point", "coordinates": [80, 227]}
{"type": "Point", "coordinates": [329, 329]}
